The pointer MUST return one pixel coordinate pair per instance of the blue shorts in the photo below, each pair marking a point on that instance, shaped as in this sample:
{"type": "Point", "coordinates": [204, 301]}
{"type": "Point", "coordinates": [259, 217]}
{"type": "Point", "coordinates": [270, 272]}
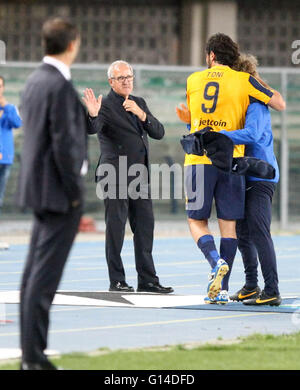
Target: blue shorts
{"type": "Point", "coordinates": [205, 183]}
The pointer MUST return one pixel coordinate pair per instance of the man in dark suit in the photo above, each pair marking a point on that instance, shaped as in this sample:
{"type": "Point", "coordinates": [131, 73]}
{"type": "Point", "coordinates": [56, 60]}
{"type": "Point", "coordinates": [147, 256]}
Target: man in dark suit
{"type": "Point", "coordinates": [123, 125]}
{"type": "Point", "coordinates": [50, 182]}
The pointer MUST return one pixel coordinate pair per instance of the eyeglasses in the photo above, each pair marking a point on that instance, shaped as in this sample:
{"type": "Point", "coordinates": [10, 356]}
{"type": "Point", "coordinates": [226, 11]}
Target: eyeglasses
{"type": "Point", "coordinates": [121, 79]}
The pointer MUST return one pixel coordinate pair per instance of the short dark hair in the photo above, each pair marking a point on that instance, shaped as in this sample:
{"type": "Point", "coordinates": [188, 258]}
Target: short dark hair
{"type": "Point", "coordinates": [57, 33]}
{"type": "Point", "coordinates": [224, 48]}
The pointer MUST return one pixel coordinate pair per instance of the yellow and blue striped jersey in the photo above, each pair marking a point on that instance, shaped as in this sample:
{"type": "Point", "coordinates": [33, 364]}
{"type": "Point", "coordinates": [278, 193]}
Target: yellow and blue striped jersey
{"type": "Point", "coordinates": [219, 97]}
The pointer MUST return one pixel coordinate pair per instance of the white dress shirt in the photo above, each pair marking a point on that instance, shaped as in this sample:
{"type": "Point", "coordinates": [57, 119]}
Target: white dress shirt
{"type": "Point", "coordinates": [59, 65]}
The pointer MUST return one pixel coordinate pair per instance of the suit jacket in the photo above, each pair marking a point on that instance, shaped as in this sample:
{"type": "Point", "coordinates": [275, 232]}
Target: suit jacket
{"type": "Point", "coordinates": [122, 134]}
{"type": "Point", "coordinates": [217, 147]}
{"type": "Point", "coordinates": [54, 123]}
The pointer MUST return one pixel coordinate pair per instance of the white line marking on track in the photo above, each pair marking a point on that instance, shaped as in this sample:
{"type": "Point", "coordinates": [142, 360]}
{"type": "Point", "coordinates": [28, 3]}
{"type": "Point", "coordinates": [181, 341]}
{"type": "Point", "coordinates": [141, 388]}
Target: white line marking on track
{"type": "Point", "coordinates": [144, 324]}
{"type": "Point", "coordinates": [63, 309]}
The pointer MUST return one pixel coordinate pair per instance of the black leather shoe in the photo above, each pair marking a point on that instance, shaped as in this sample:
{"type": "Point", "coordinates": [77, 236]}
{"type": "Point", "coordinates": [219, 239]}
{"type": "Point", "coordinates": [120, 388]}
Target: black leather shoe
{"type": "Point", "coordinates": [154, 288]}
{"type": "Point", "coordinates": [120, 287]}
{"type": "Point", "coordinates": [37, 366]}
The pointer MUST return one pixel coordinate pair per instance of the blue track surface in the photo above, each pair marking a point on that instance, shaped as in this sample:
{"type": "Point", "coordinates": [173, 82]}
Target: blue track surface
{"type": "Point", "coordinates": [179, 264]}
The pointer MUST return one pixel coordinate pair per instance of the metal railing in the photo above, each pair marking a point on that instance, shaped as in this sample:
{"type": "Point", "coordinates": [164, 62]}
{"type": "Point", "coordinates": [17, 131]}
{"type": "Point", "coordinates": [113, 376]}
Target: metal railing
{"type": "Point", "coordinates": [164, 87]}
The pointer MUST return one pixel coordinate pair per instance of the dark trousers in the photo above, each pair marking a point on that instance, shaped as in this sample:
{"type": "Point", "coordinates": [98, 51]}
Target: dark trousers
{"type": "Point", "coordinates": [51, 240]}
{"type": "Point", "coordinates": [141, 219]}
{"type": "Point", "coordinates": [254, 237]}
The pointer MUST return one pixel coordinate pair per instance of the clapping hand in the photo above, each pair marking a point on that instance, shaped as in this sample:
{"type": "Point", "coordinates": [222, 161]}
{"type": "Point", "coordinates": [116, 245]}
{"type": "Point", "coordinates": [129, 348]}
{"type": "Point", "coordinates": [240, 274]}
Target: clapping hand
{"type": "Point", "coordinates": [183, 113]}
{"type": "Point", "coordinates": [92, 104]}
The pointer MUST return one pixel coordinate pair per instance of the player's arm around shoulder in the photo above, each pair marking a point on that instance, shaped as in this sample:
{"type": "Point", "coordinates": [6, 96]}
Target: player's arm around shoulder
{"type": "Point", "coordinates": [276, 102]}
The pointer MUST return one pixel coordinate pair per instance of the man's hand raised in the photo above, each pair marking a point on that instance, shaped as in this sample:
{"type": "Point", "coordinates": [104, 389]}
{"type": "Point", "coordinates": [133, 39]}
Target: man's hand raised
{"type": "Point", "coordinates": [92, 104]}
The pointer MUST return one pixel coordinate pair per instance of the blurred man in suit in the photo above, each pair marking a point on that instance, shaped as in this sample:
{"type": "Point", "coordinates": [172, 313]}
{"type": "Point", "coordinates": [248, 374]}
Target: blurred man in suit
{"type": "Point", "coordinates": [123, 125]}
{"type": "Point", "coordinates": [50, 182]}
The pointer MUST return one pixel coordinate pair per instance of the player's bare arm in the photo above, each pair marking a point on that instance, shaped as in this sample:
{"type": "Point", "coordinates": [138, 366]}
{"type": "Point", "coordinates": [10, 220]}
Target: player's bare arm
{"type": "Point", "coordinates": [276, 102]}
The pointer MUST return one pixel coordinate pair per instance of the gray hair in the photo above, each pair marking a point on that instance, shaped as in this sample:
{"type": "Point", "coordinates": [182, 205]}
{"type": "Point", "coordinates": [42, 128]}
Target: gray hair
{"type": "Point", "coordinates": [115, 64]}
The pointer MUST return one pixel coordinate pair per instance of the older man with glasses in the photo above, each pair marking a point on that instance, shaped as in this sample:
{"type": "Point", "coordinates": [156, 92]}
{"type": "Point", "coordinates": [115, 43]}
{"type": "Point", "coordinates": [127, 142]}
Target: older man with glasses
{"type": "Point", "coordinates": [123, 123]}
